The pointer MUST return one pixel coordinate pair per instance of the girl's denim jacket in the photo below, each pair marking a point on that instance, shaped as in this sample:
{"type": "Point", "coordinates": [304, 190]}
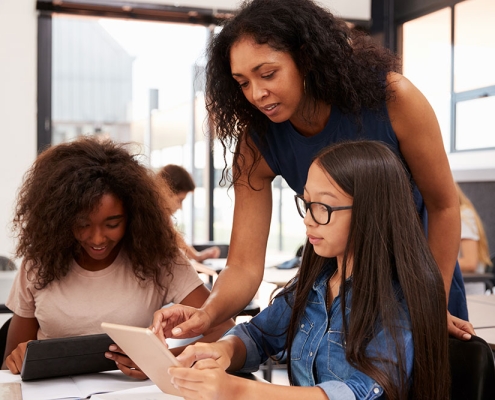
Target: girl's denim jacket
{"type": "Point", "coordinates": [318, 349]}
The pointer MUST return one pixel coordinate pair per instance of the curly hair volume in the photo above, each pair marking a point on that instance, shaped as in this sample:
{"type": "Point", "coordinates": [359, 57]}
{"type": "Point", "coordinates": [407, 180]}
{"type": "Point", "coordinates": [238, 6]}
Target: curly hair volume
{"type": "Point", "coordinates": [341, 66]}
{"type": "Point", "coordinates": [68, 180]}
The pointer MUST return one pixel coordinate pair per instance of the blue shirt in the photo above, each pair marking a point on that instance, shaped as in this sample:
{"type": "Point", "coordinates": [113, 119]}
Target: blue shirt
{"type": "Point", "coordinates": [289, 154]}
{"type": "Point", "coordinates": [318, 349]}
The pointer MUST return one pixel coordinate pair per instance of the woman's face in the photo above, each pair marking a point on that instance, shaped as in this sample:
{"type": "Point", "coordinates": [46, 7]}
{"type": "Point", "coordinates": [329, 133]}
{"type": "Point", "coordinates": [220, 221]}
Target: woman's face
{"type": "Point", "coordinates": [177, 199]}
{"type": "Point", "coordinates": [268, 78]}
{"type": "Point", "coordinates": [100, 232]}
{"type": "Point", "coordinates": [328, 240]}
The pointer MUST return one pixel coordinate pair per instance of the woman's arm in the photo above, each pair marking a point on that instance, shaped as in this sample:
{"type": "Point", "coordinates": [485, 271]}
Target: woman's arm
{"type": "Point", "coordinates": [21, 330]}
{"type": "Point", "coordinates": [207, 380]}
{"type": "Point", "coordinates": [200, 256]}
{"type": "Point", "coordinates": [238, 283]}
{"type": "Point", "coordinates": [196, 299]}
{"type": "Point", "coordinates": [468, 261]}
{"type": "Point", "coordinates": [420, 142]}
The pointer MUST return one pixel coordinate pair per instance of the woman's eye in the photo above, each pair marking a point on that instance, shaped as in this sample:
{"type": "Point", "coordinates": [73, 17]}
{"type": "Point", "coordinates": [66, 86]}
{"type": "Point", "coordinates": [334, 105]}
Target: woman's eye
{"type": "Point", "coordinates": [243, 84]}
{"type": "Point", "coordinates": [268, 76]}
{"type": "Point", "coordinates": [113, 226]}
{"type": "Point", "coordinates": [321, 208]}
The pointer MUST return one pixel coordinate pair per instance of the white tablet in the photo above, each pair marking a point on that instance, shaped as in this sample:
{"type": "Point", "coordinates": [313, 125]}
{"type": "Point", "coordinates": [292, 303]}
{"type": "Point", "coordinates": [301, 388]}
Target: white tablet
{"type": "Point", "coordinates": [147, 351]}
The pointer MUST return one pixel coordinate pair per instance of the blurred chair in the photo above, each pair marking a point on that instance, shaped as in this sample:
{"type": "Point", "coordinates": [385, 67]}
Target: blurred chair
{"type": "Point", "coordinates": [6, 264]}
{"type": "Point", "coordinates": [472, 369]}
{"type": "Point", "coordinates": [487, 279]}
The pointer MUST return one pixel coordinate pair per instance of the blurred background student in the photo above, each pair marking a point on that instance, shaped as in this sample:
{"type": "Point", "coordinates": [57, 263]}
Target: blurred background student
{"type": "Point", "coordinates": [474, 254]}
{"type": "Point", "coordinates": [181, 183]}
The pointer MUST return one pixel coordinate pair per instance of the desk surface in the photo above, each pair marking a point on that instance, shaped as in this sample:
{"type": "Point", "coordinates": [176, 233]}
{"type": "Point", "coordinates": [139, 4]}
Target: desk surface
{"type": "Point", "coordinates": [488, 334]}
{"type": "Point", "coordinates": [271, 274]}
{"type": "Point", "coordinates": [114, 384]}
{"type": "Point", "coordinates": [481, 309]}
{"type": "Point", "coordinates": [481, 298]}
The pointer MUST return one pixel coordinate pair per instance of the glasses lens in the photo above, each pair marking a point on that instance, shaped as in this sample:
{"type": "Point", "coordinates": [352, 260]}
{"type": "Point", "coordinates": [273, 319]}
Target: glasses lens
{"type": "Point", "coordinates": [301, 206]}
{"type": "Point", "coordinates": [320, 213]}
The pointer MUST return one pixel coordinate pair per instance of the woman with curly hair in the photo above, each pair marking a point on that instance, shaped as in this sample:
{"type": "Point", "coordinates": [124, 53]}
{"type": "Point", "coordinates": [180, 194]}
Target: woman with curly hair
{"type": "Point", "coordinates": [97, 241]}
{"type": "Point", "coordinates": [284, 79]}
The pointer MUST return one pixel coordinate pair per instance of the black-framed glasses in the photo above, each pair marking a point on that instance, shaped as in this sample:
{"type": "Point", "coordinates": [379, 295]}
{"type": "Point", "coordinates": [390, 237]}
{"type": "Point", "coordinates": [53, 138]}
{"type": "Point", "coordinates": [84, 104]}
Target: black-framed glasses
{"type": "Point", "coordinates": [320, 212]}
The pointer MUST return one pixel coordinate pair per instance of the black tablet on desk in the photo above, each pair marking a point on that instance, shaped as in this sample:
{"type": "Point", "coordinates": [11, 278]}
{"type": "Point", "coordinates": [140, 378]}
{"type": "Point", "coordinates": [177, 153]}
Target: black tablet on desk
{"type": "Point", "coordinates": [76, 355]}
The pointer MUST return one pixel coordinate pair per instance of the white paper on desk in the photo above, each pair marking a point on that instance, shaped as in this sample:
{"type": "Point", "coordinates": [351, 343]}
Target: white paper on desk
{"type": "Point", "coordinates": [74, 387]}
{"type": "Point", "coordinates": [109, 381]}
{"type": "Point", "coordinates": [142, 393]}
{"type": "Point", "coordinates": [44, 389]}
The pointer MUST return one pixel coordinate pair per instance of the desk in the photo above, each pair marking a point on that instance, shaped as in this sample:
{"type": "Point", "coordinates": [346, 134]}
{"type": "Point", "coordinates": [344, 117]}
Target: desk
{"type": "Point", "coordinates": [271, 274]}
{"type": "Point", "coordinates": [488, 334]}
{"type": "Point", "coordinates": [276, 278]}
{"type": "Point", "coordinates": [152, 392]}
{"type": "Point", "coordinates": [82, 386]}
{"type": "Point", "coordinates": [272, 259]}
{"type": "Point", "coordinates": [481, 309]}
{"type": "Point", "coordinates": [481, 298]}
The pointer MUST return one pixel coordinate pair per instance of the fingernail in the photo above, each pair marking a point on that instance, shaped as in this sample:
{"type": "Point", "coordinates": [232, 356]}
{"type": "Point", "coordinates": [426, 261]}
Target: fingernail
{"type": "Point", "coordinates": [176, 331]}
{"type": "Point", "coordinates": [153, 329]}
{"type": "Point", "coordinates": [466, 336]}
{"type": "Point", "coordinates": [113, 347]}
{"type": "Point", "coordinates": [108, 354]}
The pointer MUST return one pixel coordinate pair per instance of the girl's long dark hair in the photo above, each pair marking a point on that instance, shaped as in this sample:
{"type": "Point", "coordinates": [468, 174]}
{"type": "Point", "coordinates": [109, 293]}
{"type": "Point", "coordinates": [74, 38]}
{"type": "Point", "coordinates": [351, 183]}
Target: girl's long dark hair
{"type": "Point", "coordinates": [341, 66]}
{"type": "Point", "coordinates": [68, 180]}
{"type": "Point", "coordinates": [387, 243]}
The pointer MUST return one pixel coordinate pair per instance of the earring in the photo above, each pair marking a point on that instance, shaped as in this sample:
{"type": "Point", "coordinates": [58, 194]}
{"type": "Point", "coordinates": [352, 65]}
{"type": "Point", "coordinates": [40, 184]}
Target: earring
{"type": "Point", "coordinates": [304, 85]}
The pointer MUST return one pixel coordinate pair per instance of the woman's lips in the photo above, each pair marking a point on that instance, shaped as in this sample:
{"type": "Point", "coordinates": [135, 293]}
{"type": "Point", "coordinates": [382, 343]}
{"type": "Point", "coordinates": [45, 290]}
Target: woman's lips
{"type": "Point", "coordinates": [270, 109]}
{"type": "Point", "coordinates": [314, 240]}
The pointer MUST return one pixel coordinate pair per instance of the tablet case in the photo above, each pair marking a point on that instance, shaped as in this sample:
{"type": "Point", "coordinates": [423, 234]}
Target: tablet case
{"type": "Point", "coordinates": [76, 355]}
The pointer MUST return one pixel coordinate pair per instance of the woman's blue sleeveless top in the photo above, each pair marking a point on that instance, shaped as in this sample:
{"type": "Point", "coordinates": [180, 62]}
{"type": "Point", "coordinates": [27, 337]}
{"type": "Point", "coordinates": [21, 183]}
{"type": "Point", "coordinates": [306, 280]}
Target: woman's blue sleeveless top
{"type": "Point", "coordinates": [290, 154]}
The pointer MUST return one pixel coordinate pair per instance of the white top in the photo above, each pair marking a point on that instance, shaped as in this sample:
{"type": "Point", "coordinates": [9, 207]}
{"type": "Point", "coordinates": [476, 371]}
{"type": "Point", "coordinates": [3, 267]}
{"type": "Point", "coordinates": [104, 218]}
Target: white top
{"type": "Point", "coordinates": [469, 230]}
{"type": "Point", "coordinates": [79, 302]}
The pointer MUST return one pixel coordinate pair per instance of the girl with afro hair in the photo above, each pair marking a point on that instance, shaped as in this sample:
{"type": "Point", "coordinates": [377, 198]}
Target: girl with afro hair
{"type": "Point", "coordinates": [98, 244]}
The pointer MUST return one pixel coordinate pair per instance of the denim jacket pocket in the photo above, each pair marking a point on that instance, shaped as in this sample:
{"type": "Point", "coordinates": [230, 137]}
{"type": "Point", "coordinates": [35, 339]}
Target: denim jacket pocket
{"type": "Point", "coordinates": [337, 365]}
{"type": "Point", "coordinates": [301, 338]}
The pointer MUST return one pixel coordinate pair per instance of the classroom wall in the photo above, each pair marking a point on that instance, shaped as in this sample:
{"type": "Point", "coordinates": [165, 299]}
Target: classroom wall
{"type": "Point", "coordinates": [17, 104]}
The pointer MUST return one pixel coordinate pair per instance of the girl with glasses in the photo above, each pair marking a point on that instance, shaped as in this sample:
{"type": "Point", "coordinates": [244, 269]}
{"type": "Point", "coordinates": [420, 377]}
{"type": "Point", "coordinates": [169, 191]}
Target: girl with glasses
{"type": "Point", "coordinates": [365, 316]}
{"type": "Point", "coordinates": [284, 79]}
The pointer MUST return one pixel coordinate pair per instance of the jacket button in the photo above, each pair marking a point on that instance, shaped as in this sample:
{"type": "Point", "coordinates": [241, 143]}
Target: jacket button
{"type": "Point", "coordinates": [302, 325]}
{"type": "Point", "coordinates": [311, 354]}
{"type": "Point", "coordinates": [376, 390]}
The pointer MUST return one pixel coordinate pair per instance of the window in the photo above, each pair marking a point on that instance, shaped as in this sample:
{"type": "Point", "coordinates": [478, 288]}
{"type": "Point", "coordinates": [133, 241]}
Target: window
{"type": "Point", "coordinates": [426, 62]}
{"type": "Point", "coordinates": [456, 74]}
{"type": "Point", "coordinates": [128, 81]}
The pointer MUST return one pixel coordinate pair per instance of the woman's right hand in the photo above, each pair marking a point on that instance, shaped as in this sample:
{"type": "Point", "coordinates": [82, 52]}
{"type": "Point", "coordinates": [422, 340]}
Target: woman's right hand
{"type": "Point", "coordinates": [180, 322]}
{"type": "Point", "coordinates": [15, 359]}
{"type": "Point", "coordinates": [201, 351]}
